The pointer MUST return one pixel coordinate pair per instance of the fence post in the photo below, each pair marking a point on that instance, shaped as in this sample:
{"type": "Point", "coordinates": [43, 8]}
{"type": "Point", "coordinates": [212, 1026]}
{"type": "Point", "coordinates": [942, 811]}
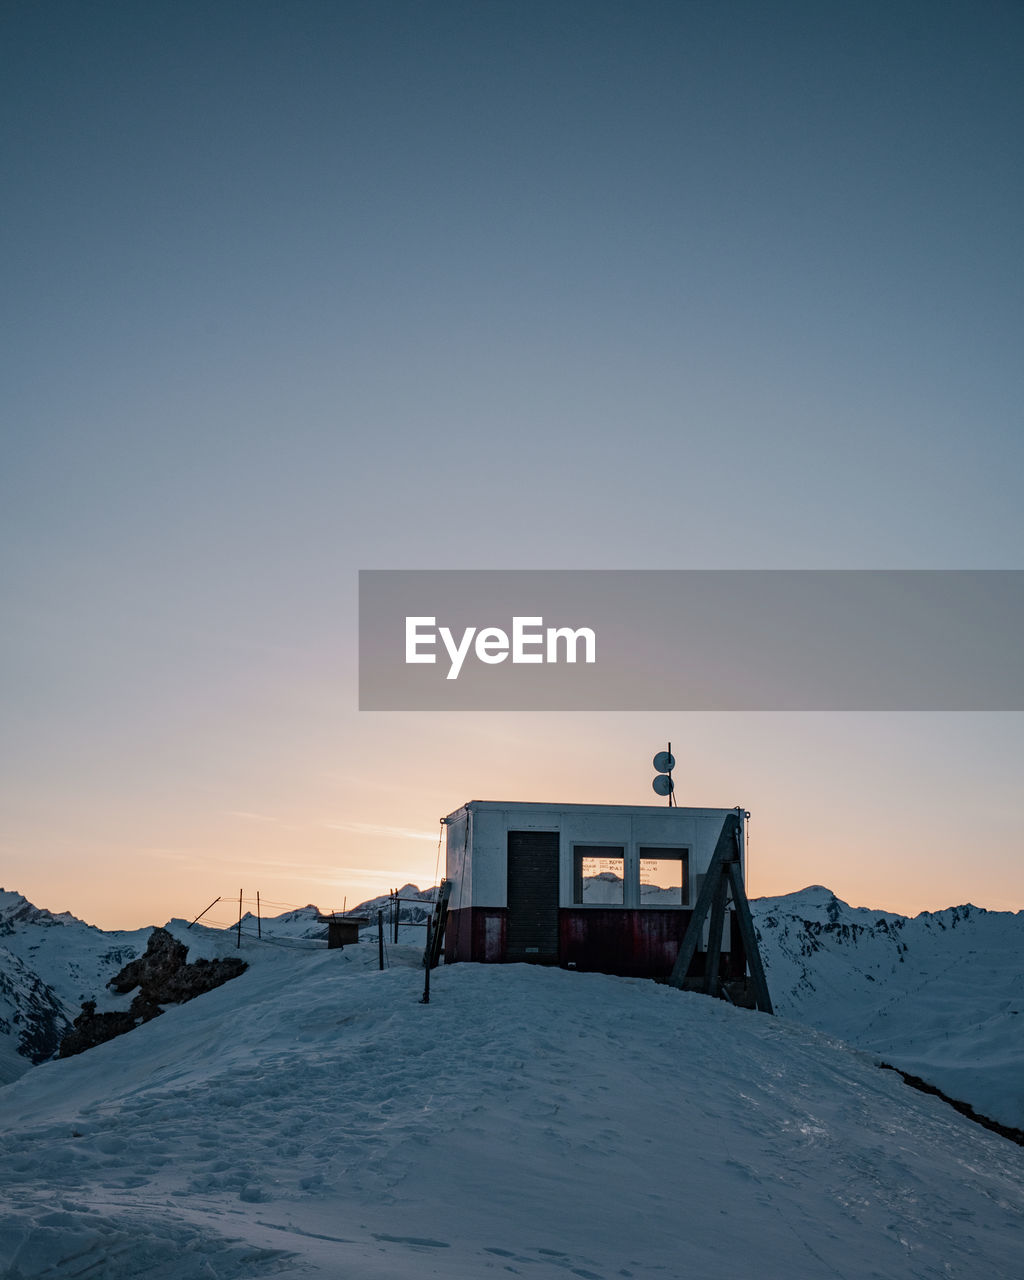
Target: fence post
{"type": "Point", "coordinates": [426, 968]}
{"type": "Point", "coordinates": [380, 936]}
{"type": "Point", "coordinates": [238, 940]}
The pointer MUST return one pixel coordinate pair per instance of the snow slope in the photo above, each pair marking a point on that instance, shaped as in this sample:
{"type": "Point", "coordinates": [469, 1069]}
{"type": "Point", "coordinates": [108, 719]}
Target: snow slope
{"type": "Point", "coordinates": [939, 995]}
{"type": "Point", "coordinates": [50, 962]}
{"type": "Point", "coordinates": [312, 1117]}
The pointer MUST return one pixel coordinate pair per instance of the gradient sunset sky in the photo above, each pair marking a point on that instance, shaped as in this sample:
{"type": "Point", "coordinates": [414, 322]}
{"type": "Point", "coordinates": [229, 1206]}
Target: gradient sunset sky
{"type": "Point", "coordinates": [293, 289]}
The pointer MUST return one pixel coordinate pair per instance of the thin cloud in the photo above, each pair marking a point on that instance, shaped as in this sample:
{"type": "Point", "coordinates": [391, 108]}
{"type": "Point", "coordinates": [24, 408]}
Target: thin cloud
{"type": "Point", "coordinates": [379, 829]}
{"type": "Point", "coordinates": [190, 856]}
{"type": "Point", "coordinates": [247, 815]}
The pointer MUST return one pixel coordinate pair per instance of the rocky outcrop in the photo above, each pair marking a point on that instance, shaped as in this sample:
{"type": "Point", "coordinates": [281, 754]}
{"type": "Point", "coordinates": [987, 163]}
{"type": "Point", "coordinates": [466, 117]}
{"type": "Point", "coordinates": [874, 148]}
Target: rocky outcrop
{"type": "Point", "coordinates": [163, 976]}
{"type": "Point", "coordinates": [155, 968]}
{"type": "Point", "coordinates": [91, 1028]}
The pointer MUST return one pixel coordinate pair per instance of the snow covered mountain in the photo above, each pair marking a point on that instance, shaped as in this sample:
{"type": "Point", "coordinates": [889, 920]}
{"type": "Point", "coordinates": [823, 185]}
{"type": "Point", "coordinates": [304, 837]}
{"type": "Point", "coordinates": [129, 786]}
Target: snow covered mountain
{"type": "Point", "coordinates": [313, 1118]}
{"type": "Point", "coordinates": [940, 995]}
{"type": "Point", "coordinates": [415, 905]}
{"type": "Point", "coordinates": [49, 963]}
{"type": "Point", "coordinates": [32, 1019]}
{"type": "Point", "coordinates": [410, 910]}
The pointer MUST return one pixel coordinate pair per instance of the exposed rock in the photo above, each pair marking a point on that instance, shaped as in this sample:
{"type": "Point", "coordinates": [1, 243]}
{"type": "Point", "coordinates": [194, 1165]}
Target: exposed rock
{"type": "Point", "coordinates": [194, 979]}
{"type": "Point", "coordinates": [163, 976]}
{"type": "Point", "coordinates": [92, 1028]}
{"type": "Point", "coordinates": [156, 967]}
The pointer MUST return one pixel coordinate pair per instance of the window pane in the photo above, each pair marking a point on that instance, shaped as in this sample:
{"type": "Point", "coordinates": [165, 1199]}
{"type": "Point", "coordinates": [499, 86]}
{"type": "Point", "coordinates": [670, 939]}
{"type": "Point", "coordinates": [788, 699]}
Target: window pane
{"type": "Point", "coordinates": [663, 877]}
{"type": "Point", "coordinates": [598, 872]}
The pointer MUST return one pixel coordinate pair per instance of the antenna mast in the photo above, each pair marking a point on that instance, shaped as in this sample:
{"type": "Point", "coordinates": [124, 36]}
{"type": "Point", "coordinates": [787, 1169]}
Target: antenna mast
{"type": "Point", "coordinates": [664, 763]}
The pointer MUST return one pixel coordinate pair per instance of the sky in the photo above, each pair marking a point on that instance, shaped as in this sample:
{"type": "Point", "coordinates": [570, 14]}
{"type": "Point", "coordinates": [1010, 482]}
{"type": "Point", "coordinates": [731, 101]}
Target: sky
{"type": "Point", "coordinates": [291, 290]}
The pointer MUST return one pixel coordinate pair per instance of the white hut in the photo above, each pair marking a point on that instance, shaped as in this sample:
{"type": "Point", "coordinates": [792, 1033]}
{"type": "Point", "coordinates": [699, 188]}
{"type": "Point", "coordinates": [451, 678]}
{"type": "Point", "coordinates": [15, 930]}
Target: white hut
{"type": "Point", "coordinates": [601, 887]}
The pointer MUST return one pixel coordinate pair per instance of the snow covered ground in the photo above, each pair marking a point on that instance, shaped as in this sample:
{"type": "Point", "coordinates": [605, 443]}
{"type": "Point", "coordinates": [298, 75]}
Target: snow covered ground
{"type": "Point", "coordinates": [312, 1117]}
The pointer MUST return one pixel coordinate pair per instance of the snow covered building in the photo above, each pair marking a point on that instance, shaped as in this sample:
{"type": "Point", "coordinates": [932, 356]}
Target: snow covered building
{"type": "Point", "coordinates": [599, 887]}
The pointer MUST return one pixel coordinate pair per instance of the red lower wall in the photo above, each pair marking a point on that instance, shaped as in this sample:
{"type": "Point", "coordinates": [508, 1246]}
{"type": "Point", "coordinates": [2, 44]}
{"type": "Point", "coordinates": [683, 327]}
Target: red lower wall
{"type": "Point", "coordinates": [642, 944]}
{"type": "Point", "coordinates": [636, 943]}
{"type": "Point", "coordinates": [475, 933]}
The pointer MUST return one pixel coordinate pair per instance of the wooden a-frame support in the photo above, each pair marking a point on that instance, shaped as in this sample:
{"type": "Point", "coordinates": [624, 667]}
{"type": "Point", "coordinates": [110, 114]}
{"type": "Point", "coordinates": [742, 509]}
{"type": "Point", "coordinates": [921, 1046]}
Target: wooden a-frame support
{"type": "Point", "coordinates": [724, 875]}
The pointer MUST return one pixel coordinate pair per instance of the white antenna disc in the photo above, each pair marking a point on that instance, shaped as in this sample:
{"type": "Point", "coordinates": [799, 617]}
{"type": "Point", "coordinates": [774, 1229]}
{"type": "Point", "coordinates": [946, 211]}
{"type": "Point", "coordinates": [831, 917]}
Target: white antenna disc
{"type": "Point", "coordinates": [663, 785]}
{"type": "Point", "coordinates": [664, 762]}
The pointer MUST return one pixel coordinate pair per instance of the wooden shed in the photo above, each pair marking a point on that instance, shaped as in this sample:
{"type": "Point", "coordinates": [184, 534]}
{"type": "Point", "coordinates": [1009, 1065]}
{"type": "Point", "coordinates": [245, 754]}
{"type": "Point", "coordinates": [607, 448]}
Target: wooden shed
{"type": "Point", "coordinates": [605, 888]}
{"type": "Point", "coordinates": [342, 931]}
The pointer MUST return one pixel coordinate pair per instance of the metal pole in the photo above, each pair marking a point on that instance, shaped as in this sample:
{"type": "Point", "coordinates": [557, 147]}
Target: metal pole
{"type": "Point", "coordinates": [204, 911]}
{"type": "Point", "coordinates": [259, 922]}
{"type": "Point", "coordinates": [380, 936]}
{"type": "Point", "coordinates": [426, 970]}
{"type": "Point", "coordinates": [396, 911]}
{"type": "Point", "coordinates": [238, 940]}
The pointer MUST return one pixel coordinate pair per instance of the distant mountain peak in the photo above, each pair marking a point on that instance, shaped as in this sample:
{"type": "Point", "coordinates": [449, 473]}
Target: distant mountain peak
{"type": "Point", "coordinates": [15, 909]}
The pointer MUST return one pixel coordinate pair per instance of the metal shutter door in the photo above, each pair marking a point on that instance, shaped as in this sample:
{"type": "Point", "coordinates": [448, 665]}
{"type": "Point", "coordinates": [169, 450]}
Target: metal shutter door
{"type": "Point", "coordinates": [533, 896]}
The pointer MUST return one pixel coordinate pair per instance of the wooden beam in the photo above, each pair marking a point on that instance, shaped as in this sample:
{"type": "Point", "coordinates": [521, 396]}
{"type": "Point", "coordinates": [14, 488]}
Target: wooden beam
{"type": "Point", "coordinates": [715, 928]}
{"type": "Point", "coordinates": [747, 932]}
{"type": "Point", "coordinates": [691, 939]}
{"type": "Point", "coordinates": [724, 873]}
